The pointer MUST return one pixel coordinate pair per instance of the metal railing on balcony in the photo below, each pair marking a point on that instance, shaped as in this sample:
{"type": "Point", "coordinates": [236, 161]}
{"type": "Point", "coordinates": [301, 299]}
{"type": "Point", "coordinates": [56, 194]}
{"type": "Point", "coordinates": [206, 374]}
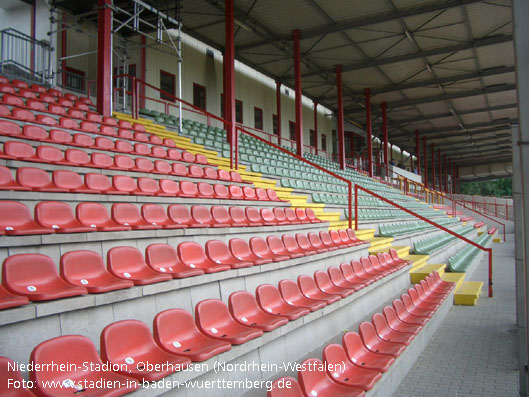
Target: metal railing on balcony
{"type": "Point", "coordinates": [24, 57]}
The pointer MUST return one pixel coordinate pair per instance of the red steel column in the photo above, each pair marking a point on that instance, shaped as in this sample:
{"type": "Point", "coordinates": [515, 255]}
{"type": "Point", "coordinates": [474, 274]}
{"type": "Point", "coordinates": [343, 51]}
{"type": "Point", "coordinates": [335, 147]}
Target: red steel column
{"type": "Point", "coordinates": [418, 151]}
{"type": "Point", "coordinates": [143, 68]}
{"type": "Point", "coordinates": [104, 58]}
{"type": "Point", "coordinates": [446, 174]}
{"type": "Point", "coordinates": [439, 170]}
{"type": "Point", "coordinates": [425, 161]}
{"type": "Point", "coordinates": [433, 165]}
{"type": "Point", "coordinates": [229, 72]}
{"type": "Point", "coordinates": [278, 111]}
{"type": "Point", "coordinates": [383, 106]}
{"type": "Point", "coordinates": [298, 104]}
{"type": "Point", "coordinates": [367, 93]}
{"type": "Point", "coordinates": [339, 121]}
{"type": "Point", "coordinates": [316, 126]}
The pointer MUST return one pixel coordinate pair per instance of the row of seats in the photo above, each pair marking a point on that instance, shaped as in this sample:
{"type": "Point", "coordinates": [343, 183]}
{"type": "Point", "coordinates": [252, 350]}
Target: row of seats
{"type": "Point", "coordinates": [36, 179]}
{"type": "Point", "coordinates": [58, 217]}
{"type": "Point", "coordinates": [460, 261]}
{"type": "Point", "coordinates": [400, 228]}
{"type": "Point", "coordinates": [353, 367]}
{"type": "Point", "coordinates": [177, 340]}
{"type": "Point", "coordinates": [35, 275]}
{"type": "Point", "coordinates": [16, 150]}
{"type": "Point", "coordinates": [431, 244]}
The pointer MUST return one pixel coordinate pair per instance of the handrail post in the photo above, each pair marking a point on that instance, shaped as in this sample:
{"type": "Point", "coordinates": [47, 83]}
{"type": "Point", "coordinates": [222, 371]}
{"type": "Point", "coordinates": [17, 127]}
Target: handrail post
{"type": "Point", "coordinates": [231, 149]}
{"type": "Point", "coordinates": [236, 149]}
{"type": "Point", "coordinates": [350, 203]}
{"type": "Point", "coordinates": [489, 250]}
{"type": "Point", "coordinates": [133, 99]}
{"type": "Point", "coordinates": [356, 206]}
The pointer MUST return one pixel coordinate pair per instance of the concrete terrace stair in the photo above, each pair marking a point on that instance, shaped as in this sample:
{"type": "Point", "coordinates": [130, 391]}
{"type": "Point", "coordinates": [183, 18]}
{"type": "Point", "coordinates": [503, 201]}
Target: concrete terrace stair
{"type": "Point", "coordinates": [379, 243]}
{"type": "Point", "coordinates": [419, 273]}
{"type": "Point", "coordinates": [457, 278]}
{"type": "Point", "coordinates": [467, 293]}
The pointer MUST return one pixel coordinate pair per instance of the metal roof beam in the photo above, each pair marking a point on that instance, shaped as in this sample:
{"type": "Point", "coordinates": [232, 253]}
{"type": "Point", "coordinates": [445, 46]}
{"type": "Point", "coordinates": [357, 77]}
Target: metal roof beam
{"type": "Point", "coordinates": [365, 21]}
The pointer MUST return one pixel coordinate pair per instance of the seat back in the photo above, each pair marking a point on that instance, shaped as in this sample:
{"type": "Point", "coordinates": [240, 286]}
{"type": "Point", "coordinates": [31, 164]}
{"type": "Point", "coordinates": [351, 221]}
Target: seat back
{"type": "Point", "coordinates": [220, 215]}
{"type": "Point", "coordinates": [65, 179]}
{"type": "Point", "coordinates": [168, 186]}
{"type": "Point", "coordinates": [122, 261]}
{"type": "Point", "coordinates": [99, 182]}
{"type": "Point", "coordinates": [201, 214]}
{"type": "Point", "coordinates": [276, 245]}
{"type": "Point", "coordinates": [238, 216]}
{"type": "Point", "coordinates": [122, 340]}
{"type": "Point", "coordinates": [124, 183]}
{"type": "Point", "coordinates": [253, 215]}
{"type": "Point", "coordinates": [218, 252]}
{"type": "Point", "coordinates": [211, 315]}
{"type": "Point", "coordinates": [13, 214]}
{"type": "Point", "coordinates": [28, 272]}
{"type": "Point", "coordinates": [260, 248]}
{"type": "Point", "coordinates": [92, 214]}
{"type": "Point", "coordinates": [79, 267]}
{"type": "Point", "coordinates": [162, 257]}
{"type": "Point", "coordinates": [53, 214]}
{"type": "Point", "coordinates": [126, 214]}
{"type": "Point", "coordinates": [34, 178]}
{"type": "Point", "coordinates": [322, 280]}
{"type": "Point", "coordinates": [191, 253]}
{"type": "Point", "coordinates": [280, 215]}
{"type": "Point", "coordinates": [154, 213]}
{"type": "Point", "coordinates": [268, 297]}
{"type": "Point", "coordinates": [179, 214]}
{"type": "Point", "coordinates": [242, 304]}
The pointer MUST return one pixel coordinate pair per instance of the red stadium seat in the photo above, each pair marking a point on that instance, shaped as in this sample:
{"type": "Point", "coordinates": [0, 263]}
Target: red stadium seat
{"type": "Point", "coordinates": [188, 189]}
{"type": "Point", "coordinates": [268, 217]}
{"type": "Point", "coordinates": [325, 284]}
{"type": "Point", "coordinates": [271, 302]}
{"type": "Point", "coordinates": [157, 215]}
{"type": "Point", "coordinates": [261, 249]}
{"type": "Point", "coordinates": [192, 254]}
{"type": "Point", "coordinates": [241, 250]}
{"type": "Point", "coordinates": [105, 144]}
{"type": "Point", "coordinates": [20, 151]}
{"type": "Point", "coordinates": [169, 142]}
{"type": "Point", "coordinates": [253, 216]}
{"type": "Point", "coordinates": [164, 259]}
{"type": "Point", "coordinates": [95, 215]}
{"type": "Point", "coordinates": [292, 295]}
{"type": "Point", "coordinates": [377, 345]}
{"type": "Point", "coordinates": [236, 192]}
{"type": "Point", "coordinates": [7, 88]}
{"type": "Point", "coordinates": [111, 121]}
{"type": "Point", "coordinates": [169, 188]}
{"type": "Point", "coordinates": [205, 190]}
{"type": "Point", "coordinates": [27, 93]}
{"type": "Point", "coordinates": [406, 316]}
{"type": "Point", "coordinates": [221, 216]}
{"type": "Point", "coordinates": [148, 186]}
{"type": "Point", "coordinates": [214, 320]}
{"type": "Point", "coordinates": [35, 276]}
{"type": "Point", "coordinates": [94, 117]}
{"type": "Point", "coordinates": [79, 158]}
{"type": "Point", "coordinates": [308, 287]}
{"type": "Point", "coordinates": [125, 134]}
{"type": "Point", "coordinates": [128, 214]}
{"type": "Point", "coordinates": [23, 115]}
{"type": "Point", "coordinates": [71, 181]}
{"type": "Point", "coordinates": [13, 100]}
{"type": "Point", "coordinates": [209, 173]}
{"type": "Point", "coordinates": [339, 280]}
{"type": "Point", "coordinates": [345, 372]}
{"type": "Point", "coordinates": [202, 216]}
{"type": "Point", "coordinates": [217, 251]}
{"type": "Point", "coordinates": [281, 216]}
{"type": "Point", "coordinates": [159, 152]}
{"type": "Point", "coordinates": [311, 216]}
{"type": "Point", "coordinates": [244, 309]}
{"type": "Point", "coordinates": [124, 184]}
{"type": "Point", "coordinates": [261, 194]}
{"type": "Point", "coordinates": [285, 387]}
{"type": "Point", "coordinates": [180, 215]}
{"type": "Point", "coordinates": [397, 324]}
{"type": "Point", "coordinates": [236, 177]}
{"type": "Point", "coordinates": [61, 137]}
{"type": "Point", "coordinates": [223, 175]}
{"type": "Point", "coordinates": [338, 240]}
{"type": "Point", "coordinates": [369, 265]}
{"type": "Point", "coordinates": [128, 263]}
{"type": "Point", "coordinates": [328, 241]}
{"type": "Point", "coordinates": [272, 195]}
{"type": "Point", "coordinates": [238, 216]}
{"type": "Point", "coordinates": [179, 170]}
{"type": "Point", "coordinates": [75, 113]}
{"type": "Point", "coordinates": [314, 381]}
{"type": "Point", "coordinates": [8, 300]}
{"type": "Point", "coordinates": [131, 342]}
{"type": "Point", "coordinates": [155, 140]}
{"type": "Point", "coordinates": [292, 246]}
{"type": "Point", "coordinates": [249, 193]}
{"type": "Point", "coordinates": [86, 269]}
{"type": "Point", "coordinates": [305, 244]}
{"type": "Point", "coordinates": [175, 331]}
{"type": "Point", "coordinates": [362, 357]}
{"type": "Point", "coordinates": [48, 120]}
{"type": "Point", "coordinates": [59, 216]}
{"type": "Point", "coordinates": [368, 270]}
{"type": "Point", "coordinates": [143, 165]}
{"type": "Point", "coordinates": [188, 157]}
{"type": "Point", "coordinates": [162, 167]}
{"type": "Point", "coordinates": [122, 162]}
{"type": "Point", "coordinates": [7, 182]}
{"type": "Point", "coordinates": [142, 149]}
{"type": "Point", "coordinates": [57, 109]}
{"type": "Point", "coordinates": [75, 351]}
{"type": "Point", "coordinates": [107, 130]}
{"type": "Point", "coordinates": [36, 133]}
{"type": "Point", "coordinates": [419, 311]}
{"type": "Point", "coordinates": [174, 154]}
{"type": "Point", "coordinates": [140, 136]}
{"type": "Point", "coordinates": [12, 129]}
{"type": "Point", "coordinates": [351, 276]}
{"type": "Point", "coordinates": [123, 146]}
{"type": "Point", "coordinates": [100, 182]}
{"type": "Point", "coordinates": [278, 248]}
{"type": "Point", "coordinates": [51, 155]}
{"type": "Point", "coordinates": [291, 216]}
{"type": "Point", "coordinates": [385, 332]}
{"type": "Point", "coordinates": [316, 242]}
{"type": "Point", "coordinates": [9, 376]}
{"type": "Point", "coordinates": [16, 220]}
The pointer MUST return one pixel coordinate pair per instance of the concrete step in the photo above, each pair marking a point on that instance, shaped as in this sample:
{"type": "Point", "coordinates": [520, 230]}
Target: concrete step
{"type": "Point", "coordinates": [468, 293]}
{"type": "Point", "coordinates": [457, 278]}
{"type": "Point", "coordinates": [364, 234]}
{"type": "Point", "coordinates": [379, 243]}
{"type": "Point", "coordinates": [417, 260]}
{"type": "Point", "coordinates": [402, 250]}
{"type": "Point", "coordinates": [419, 273]}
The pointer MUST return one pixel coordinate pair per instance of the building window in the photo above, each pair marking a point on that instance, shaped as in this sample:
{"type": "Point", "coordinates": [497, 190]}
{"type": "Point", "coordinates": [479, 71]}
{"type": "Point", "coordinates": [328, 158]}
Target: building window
{"type": "Point", "coordinates": [275, 124]}
{"type": "Point", "coordinates": [292, 130]}
{"type": "Point", "coordinates": [199, 96]}
{"type": "Point", "coordinates": [167, 85]}
{"type": "Point", "coordinates": [312, 138]}
{"type": "Point", "coordinates": [324, 142]}
{"type": "Point", "coordinates": [258, 118]}
{"type": "Point", "coordinates": [238, 111]}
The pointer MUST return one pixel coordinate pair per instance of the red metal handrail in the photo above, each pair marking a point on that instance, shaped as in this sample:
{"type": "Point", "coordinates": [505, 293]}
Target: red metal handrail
{"type": "Point", "coordinates": [481, 214]}
{"type": "Point", "coordinates": [349, 183]}
{"type": "Point", "coordinates": [488, 250]}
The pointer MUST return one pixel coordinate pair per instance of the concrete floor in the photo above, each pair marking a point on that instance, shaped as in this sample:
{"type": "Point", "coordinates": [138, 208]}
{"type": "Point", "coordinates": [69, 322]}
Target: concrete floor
{"type": "Point", "coordinates": [473, 353]}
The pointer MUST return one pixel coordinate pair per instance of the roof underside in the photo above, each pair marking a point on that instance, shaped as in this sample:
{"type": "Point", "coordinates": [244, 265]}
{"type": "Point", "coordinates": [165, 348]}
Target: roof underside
{"type": "Point", "coordinates": [445, 67]}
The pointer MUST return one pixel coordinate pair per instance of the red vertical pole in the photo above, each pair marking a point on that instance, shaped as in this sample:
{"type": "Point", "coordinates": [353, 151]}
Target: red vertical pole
{"type": "Point", "coordinates": [339, 121]}
{"type": "Point", "coordinates": [367, 93]}
{"type": "Point", "coordinates": [425, 162]}
{"type": "Point", "coordinates": [316, 126]}
{"type": "Point", "coordinates": [440, 171]}
{"type": "Point", "coordinates": [298, 104]}
{"type": "Point", "coordinates": [229, 75]}
{"type": "Point", "coordinates": [432, 148]}
{"type": "Point", "coordinates": [384, 107]}
{"type": "Point", "coordinates": [446, 174]}
{"type": "Point", "coordinates": [418, 151]}
{"type": "Point", "coordinates": [104, 58]}
{"type": "Point", "coordinates": [278, 111]}
{"type": "Point", "coordinates": [143, 69]}
{"type": "Point", "coordinates": [356, 207]}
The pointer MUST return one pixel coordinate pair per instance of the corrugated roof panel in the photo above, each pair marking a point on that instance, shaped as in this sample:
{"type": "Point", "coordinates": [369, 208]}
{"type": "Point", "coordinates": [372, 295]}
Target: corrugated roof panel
{"type": "Point", "coordinates": [400, 71]}
{"type": "Point", "coordinates": [496, 55]}
{"type": "Point", "coordinates": [468, 103]}
{"type": "Point", "coordinates": [340, 10]}
{"type": "Point", "coordinates": [433, 107]}
{"type": "Point", "coordinates": [508, 78]}
{"type": "Point", "coordinates": [423, 23]}
{"type": "Point", "coordinates": [511, 113]}
{"type": "Point", "coordinates": [486, 17]}
{"type": "Point", "coordinates": [421, 92]}
{"type": "Point", "coordinates": [502, 98]}
{"type": "Point", "coordinates": [474, 118]}
{"type": "Point", "coordinates": [364, 78]}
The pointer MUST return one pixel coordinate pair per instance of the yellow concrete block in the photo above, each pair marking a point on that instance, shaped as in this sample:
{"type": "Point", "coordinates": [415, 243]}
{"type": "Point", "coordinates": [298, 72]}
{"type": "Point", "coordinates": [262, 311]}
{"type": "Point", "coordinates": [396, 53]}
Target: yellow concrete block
{"type": "Point", "coordinates": [468, 293]}
{"type": "Point", "coordinates": [416, 260]}
{"type": "Point", "coordinates": [496, 240]}
{"type": "Point", "coordinates": [379, 243]}
{"type": "Point", "coordinates": [457, 278]}
{"type": "Point", "coordinates": [418, 274]}
{"type": "Point", "coordinates": [480, 232]}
